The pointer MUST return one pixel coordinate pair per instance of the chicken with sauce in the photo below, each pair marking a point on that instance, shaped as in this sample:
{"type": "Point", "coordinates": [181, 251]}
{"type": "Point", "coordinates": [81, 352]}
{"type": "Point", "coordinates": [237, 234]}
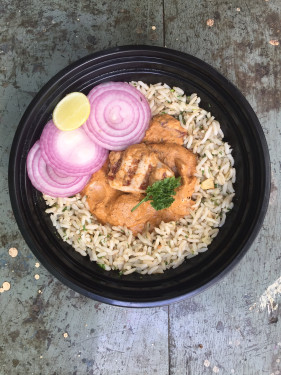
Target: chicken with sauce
{"type": "Point", "coordinates": [119, 186]}
{"type": "Point", "coordinates": [165, 128]}
{"type": "Point", "coordinates": [135, 168]}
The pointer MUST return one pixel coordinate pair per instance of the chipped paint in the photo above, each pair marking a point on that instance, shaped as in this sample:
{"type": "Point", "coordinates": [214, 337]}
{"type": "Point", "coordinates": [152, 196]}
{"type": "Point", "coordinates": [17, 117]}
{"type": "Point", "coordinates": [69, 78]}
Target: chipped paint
{"type": "Point", "coordinates": [206, 363]}
{"type": "Point", "coordinates": [210, 22]}
{"type": "Point", "coordinates": [6, 286]}
{"type": "Point", "coordinates": [268, 298]}
{"type": "Point", "coordinates": [274, 42]}
{"type": "Point", "coordinates": [13, 252]}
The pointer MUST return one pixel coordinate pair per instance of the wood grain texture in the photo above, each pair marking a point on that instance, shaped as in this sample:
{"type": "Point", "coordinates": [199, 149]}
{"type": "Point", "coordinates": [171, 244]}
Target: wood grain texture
{"type": "Point", "coordinates": [219, 330]}
{"type": "Point", "coordinates": [37, 39]}
{"type": "Point", "coordinates": [222, 326]}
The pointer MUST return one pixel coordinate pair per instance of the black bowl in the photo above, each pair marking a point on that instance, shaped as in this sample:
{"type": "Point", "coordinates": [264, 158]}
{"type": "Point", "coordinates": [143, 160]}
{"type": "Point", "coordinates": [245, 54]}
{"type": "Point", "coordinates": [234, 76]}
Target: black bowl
{"type": "Point", "coordinates": [241, 128]}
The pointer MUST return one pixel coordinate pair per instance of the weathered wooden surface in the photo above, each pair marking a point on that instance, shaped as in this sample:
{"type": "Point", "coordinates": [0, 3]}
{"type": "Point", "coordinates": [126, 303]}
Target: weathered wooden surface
{"type": "Point", "coordinates": [57, 331]}
{"type": "Point", "coordinates": [235, 339]}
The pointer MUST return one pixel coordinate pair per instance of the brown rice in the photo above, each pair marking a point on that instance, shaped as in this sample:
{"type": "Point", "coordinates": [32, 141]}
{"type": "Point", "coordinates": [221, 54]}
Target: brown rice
{"type": "Point", "coordinates": [170, 244]}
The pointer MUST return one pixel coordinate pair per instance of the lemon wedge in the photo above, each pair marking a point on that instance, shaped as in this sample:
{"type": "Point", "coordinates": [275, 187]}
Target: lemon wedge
{"type": "Point", "coordinates": [72, 111]}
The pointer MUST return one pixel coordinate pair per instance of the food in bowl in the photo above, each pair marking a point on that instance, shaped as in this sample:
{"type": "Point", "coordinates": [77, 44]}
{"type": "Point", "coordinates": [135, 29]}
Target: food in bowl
{"type": "Point", "coordinates": [162, 245]}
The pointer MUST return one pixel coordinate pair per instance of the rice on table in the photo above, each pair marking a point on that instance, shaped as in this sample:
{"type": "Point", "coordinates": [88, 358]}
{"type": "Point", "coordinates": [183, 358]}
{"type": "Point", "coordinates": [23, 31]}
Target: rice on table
{"type": "Point", "coordinates": [115, 248]}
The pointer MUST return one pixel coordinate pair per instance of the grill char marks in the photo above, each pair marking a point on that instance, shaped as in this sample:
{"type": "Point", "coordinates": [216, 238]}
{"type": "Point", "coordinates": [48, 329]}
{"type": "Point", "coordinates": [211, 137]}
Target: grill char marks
{"type": "Point", "coordinates": [115, 163]}
{"type": "Point", "coordinates": [145, 181]}
{"type": "Point", "coordinates": [133, 170]}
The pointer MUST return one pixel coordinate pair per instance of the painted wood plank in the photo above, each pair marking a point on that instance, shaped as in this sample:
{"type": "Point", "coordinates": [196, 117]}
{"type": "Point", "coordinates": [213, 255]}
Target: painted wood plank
{"type": "Point", "coordinates": [46, 328]}
{"type": "Point", "coordinates": [222, 330]}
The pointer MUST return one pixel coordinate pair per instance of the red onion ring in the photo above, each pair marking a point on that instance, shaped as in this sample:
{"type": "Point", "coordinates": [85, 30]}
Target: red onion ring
{"type": "Point", "coordinates": [41, 179]}
{"type": "Point", "coordinates": [119, 117]}
{"type": "Point", "coordinates": [72, 152]}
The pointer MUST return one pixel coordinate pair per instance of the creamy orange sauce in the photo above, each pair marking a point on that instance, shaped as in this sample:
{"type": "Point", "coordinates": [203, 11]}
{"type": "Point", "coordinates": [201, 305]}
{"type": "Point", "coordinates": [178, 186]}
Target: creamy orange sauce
{"type": "Point", "coordinates": [118, 186]}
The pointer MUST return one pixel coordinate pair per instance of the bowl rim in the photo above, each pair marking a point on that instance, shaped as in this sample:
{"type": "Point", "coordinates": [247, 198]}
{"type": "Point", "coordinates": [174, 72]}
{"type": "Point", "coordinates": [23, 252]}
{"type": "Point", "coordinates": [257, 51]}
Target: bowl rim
{"type": "Point", "coordinates": [129, 49]}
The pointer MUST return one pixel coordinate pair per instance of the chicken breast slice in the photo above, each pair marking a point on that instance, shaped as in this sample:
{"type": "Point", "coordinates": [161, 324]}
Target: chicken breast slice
{"type": "Point", "coordinates": [135, 168]}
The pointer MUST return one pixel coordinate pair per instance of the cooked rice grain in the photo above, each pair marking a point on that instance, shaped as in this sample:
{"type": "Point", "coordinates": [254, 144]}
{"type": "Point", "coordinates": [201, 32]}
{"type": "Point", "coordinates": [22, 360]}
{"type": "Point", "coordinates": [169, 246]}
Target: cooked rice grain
{"type": "Point", "coordinates": [115, 248]}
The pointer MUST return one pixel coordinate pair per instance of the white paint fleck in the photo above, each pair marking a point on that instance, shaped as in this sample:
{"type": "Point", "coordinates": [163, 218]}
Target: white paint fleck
{"type": "Point", "coordinates": [37, 264]}
{"type": "Point", "coordinates": [216, 369]}
{"type": "Point", "coordinates": [2, 290]}
{"type": "Point", "coordinates": [238, 9]}
{"type": "Point", "coordinates": [13, 252]}
{"type": "Point", "coordinates": [41, 356]}
{"type": "Point", "coordinates": [40, 291]}
{"type": "Point", "coordinates": [253, 307]}
{"type": "Point", "coordinates": [65, 335]}
{"type": "Point", "coordinates": [6, 286]}
{"type": "Point", "coordinates": [268, 297]}
{"type": "Point", "coordinates": [153, 27]}
{"type": "Point", "coordinates": [210, 22]}
{"type": "Point", "coordinates": [36, 276]}
{"type": "Point", "coordinates": [206, 363]}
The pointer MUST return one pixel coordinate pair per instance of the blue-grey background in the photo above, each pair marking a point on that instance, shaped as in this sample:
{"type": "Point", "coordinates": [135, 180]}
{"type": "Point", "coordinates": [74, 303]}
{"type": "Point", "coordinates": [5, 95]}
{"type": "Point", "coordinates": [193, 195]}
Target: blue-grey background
{"type": "Point", "coordinates": [46, 328]}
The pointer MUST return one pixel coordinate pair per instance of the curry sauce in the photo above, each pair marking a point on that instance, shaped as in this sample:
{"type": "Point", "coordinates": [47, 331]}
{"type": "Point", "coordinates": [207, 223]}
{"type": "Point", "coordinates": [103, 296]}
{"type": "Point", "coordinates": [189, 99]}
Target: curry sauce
{"type": "Point", "coordinates": [120, 184]}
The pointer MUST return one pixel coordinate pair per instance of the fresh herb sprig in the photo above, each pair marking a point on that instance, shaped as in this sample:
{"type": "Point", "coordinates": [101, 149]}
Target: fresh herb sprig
{"type": "Point", "coordinates": [161, 193]}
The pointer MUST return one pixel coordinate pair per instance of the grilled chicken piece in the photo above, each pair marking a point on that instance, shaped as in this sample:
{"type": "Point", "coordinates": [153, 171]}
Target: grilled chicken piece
{"type": "Point", "coordinates": [180, 160]}
{"type": "Point", "coordinates": [165, 128]}
{"type": "Point", "coordinates": [135, 168]}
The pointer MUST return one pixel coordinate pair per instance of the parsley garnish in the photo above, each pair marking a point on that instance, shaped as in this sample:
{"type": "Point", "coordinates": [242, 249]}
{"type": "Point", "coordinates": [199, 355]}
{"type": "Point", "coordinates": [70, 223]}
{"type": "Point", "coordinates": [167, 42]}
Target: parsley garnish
{"type": "Point", "coordinates": [161, 193]}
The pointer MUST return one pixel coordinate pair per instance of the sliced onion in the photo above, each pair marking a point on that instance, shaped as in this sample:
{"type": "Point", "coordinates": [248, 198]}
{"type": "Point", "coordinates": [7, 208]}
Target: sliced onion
{"type": "Point", "coordinates": [57, 178]}
{"type": "Point", "coordinates": [50, 170]}
{"type": "Point", "coordinates": [46, 180]}
{"type": "Point", "coordinates": [119, 117]}
{"type": "Point", "coordinates": [72, 152]}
